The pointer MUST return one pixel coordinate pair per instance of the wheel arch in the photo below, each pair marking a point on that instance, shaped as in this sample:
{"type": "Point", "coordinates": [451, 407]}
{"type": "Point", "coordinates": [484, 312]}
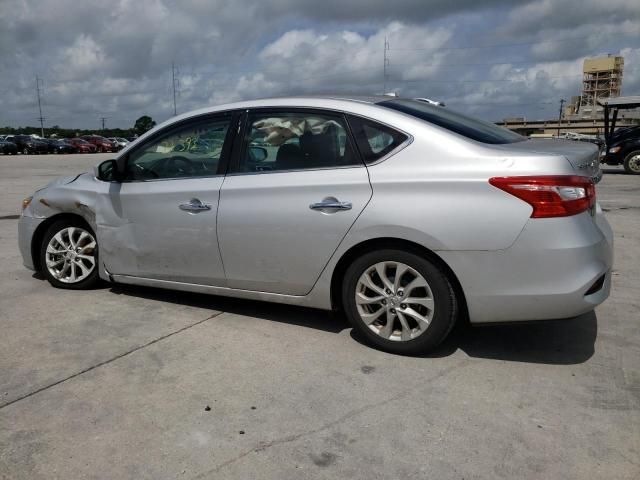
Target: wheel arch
{"type": "Point", "coordinates": [38, 235]}
{"type": "Point", "coordinates": [390, 242]}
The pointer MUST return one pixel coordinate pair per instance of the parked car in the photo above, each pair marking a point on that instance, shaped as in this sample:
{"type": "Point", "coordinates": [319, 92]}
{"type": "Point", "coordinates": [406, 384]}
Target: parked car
{"type": "Point", "coordinates": [8, 148]}
{"type": "Point", "coordinates": [405, 215]}
{"type": "Point", "coordinates": [28, 144]}
{"type": "Point", "coordinates": [119, 143]}
{"type": "Point", "coordinates": [624, 149]}
{"type": "Point", "coordinates": [60, 146]}
{"type": "Point", "coordinates": [581, 137]}
{"type": "Point", "coordinates": [101, 143]}
{"type": "Point", "coordinates": [82, 145]}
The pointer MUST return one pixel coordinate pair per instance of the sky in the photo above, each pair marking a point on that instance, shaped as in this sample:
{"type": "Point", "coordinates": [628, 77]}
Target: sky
{"type": "Point", "coordinates": [491, 58]}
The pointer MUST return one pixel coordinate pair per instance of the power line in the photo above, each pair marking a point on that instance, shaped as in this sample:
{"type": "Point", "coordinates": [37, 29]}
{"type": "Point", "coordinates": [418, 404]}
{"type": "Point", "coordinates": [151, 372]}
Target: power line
{"type": "Point", "coordinates": [480, 80]}
{"type": "Point", "coordinates": [499, 45]}
{"type": "Point", "coordinates": [103, 119]}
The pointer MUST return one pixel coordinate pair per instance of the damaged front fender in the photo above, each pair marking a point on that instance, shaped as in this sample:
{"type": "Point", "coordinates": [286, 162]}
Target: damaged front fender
{"type": "Point", "coordinates": [74, 195]}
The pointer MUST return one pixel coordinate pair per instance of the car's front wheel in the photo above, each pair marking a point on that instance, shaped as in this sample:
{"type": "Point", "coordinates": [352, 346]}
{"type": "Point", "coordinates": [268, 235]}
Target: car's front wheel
{"type": "Point", "coordinates": [69, 255]}
{"type": "Point", "coordinates": [399, 301]}
{"type": "Point", "coordinates": [632, 163]}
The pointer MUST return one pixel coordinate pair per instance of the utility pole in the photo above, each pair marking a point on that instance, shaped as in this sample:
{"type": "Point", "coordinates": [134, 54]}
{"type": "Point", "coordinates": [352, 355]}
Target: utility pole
{"type": "Point", "coordinates": [173, 83]}
{"type": "Point", "coordinates": [103, 121]}
{"type": "Point", "coordinates": [41, 118]}
{"type": "Point", "coordinates": [385, 64]}
{"type": "Point", "coordinates": [562, 100]}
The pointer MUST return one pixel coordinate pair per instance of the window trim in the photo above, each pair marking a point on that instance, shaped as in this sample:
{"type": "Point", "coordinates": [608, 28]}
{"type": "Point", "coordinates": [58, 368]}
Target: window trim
{"type": "Point", "coordinates": [225, 155]}
{"type": "Point", "coordinates": [241, 143]}
{"type": "Point", "coordinates": [401, 146]}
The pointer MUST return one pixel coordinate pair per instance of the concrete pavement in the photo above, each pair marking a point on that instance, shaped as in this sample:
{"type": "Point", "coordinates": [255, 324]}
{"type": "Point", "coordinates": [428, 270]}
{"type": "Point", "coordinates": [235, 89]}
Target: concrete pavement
{"type": "Point", "coordinates": [115, 382]}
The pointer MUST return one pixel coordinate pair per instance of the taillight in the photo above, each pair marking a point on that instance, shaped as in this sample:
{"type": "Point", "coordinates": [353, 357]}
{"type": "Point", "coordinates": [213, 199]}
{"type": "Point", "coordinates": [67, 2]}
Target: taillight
{"type": "Point", "coordinates": [551, 196]}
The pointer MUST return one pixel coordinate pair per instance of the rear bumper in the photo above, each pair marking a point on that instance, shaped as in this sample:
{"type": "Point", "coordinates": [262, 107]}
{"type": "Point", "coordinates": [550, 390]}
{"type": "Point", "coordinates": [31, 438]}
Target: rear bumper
{"type": "Point", "coordinates": [26, 228]}
{"type": "Point", "coordinates": [548, 273]}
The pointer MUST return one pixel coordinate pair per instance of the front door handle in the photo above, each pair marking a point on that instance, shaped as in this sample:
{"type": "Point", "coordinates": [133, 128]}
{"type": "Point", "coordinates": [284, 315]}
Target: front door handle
{"type": "Point", "coordinates": [331, 204]}
{"type": "Point", "coordinates": [194, 206]}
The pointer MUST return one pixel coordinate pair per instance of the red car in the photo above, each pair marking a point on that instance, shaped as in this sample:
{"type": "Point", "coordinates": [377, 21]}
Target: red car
{"type": "Point", "coordinates": [82, 145]}
{"type": "Point", "coordinates": [101, 143]}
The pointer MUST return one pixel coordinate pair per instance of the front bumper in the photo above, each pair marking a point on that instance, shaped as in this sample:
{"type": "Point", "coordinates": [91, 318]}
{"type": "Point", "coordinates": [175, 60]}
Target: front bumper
{"type": "Point", "coordinates": [544, 275]}
{"type": "Point", "coordinates": [26, 229]}
{"type": "Point", "coordinates": [612, 158]}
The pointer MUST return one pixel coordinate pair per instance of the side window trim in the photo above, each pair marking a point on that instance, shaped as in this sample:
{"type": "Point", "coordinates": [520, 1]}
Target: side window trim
{"type": "Point", "coordinates": [233, 115]}
{"type": "Point", "coordinates": [242, 141]}
{"type": "Point", "coordinates": [401, 146]}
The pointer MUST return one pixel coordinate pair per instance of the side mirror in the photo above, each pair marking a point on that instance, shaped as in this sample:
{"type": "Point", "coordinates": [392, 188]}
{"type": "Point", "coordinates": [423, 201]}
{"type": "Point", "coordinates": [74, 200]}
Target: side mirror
{"type": "Point", "coordinates": [107, 171]}
{"type": "Point", "coordinates": [258, 154]}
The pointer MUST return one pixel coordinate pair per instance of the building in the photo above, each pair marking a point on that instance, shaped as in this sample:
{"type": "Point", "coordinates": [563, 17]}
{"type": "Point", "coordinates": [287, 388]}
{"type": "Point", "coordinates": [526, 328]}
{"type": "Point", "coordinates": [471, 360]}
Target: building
{"type": "Point", "coordinates": [601, 78]}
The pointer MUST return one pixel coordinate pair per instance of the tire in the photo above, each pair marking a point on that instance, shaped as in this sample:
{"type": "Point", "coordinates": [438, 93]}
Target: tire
{"type": "Point", "coordinates": [407, 335]}
{"type": "Point", "coordinates": [79, 264]}
{"type": "Point", "coordinates": [632, 163]}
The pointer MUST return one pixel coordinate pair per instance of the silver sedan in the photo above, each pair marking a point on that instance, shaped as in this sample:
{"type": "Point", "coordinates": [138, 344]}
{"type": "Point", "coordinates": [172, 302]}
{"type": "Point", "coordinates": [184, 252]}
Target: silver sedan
{"type": "Point", "coordinates": [405, 215]}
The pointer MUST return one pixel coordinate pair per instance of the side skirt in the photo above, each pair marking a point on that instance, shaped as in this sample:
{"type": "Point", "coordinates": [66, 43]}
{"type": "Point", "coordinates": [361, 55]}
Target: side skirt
{"type": "Point", "coordinates": [210, 290]}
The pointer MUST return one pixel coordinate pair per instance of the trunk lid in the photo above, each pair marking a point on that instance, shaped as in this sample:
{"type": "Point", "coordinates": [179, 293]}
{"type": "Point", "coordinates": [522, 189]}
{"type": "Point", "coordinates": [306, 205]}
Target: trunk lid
{"type": "Point", "coordinates": [583, 156]}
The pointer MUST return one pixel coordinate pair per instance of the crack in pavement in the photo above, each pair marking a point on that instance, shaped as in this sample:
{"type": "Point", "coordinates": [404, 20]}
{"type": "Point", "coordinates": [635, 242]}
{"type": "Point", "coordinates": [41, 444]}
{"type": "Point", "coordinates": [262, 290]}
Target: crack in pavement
{"type": "Point", "coordinates": [291, 438]}
{"type": "Point", "coordinates": [105, 362]}
{"type": "Point", "coordinates": [614, 209]}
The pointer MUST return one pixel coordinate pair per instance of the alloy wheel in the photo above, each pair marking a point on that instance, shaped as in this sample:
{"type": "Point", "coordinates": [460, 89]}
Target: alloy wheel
{"type": "Point", "coordinates": [70, 255]}
{"type": "Point", "coordinates": [395, 301]}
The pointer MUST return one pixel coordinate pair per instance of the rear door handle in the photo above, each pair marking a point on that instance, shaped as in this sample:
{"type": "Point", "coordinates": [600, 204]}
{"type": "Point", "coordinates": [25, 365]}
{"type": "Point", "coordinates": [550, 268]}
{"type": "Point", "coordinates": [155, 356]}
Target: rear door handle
{"type": "Point", "coordinates": [194, 206]}
{"type": "Point", "coordinates": [331, 203]}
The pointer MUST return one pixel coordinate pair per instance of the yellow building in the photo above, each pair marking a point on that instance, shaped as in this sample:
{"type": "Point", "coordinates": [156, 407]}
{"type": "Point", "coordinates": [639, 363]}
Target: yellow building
{"type": "Point", "coordinates": [602, 78]}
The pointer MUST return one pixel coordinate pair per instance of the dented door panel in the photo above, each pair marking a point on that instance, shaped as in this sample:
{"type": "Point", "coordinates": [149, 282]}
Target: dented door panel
{"type": "Point", "coordinates": [143, 231]}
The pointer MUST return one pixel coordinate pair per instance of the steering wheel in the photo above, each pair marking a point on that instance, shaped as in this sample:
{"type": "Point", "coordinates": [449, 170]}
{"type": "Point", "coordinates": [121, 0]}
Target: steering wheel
{"type": "Point", "coordinates": [146, 171]}
{"type": "Point", "coordinates": [178, 167]}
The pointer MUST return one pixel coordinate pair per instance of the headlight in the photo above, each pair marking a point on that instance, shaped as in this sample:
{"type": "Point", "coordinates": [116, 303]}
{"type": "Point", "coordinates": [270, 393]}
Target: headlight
{"type": "Point", "coordinates": [26, 202]}
{"type": "Point", "coordinates": [614, 149]}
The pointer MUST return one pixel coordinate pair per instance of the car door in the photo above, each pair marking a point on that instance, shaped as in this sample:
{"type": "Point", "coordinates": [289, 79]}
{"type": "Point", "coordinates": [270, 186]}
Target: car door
{"type": "Point", "coordinates": [160, 222]}
{"type": "Point", "coordinates": [295, 187]}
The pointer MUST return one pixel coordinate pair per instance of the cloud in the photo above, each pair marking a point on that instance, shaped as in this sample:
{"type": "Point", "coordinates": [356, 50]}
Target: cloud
{"type": "Point", "coordinates": [494, 58]}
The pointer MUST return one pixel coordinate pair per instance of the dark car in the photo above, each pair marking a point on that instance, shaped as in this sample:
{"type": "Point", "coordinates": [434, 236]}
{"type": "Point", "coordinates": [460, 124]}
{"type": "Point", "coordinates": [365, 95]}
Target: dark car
{"type": "Point", "coordinates": [624, 148]}
{"type": "Point", "coordinates": [82, 145]}
{"type": "Point", "coordinates": [101, 143]}
{"type": "Point", "coordinates": [8, 148]}
{"type": "Point", "coordinates": [28, 144]}
{"type": "Point", "coordinates": [60, 146]}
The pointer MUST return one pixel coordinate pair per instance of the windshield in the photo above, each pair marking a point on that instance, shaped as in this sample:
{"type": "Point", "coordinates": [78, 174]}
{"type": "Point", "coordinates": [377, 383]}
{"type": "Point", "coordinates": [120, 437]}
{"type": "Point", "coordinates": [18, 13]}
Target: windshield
{"type": "Point", "coordinates": [624, 131]}
{"type": "Point", "coordinates": [473, 128]}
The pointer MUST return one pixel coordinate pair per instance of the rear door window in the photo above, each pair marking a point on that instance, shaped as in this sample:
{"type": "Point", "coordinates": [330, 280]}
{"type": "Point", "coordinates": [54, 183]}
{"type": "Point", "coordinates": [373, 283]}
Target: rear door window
{"type": "Point", "coordinates": [295, 140]}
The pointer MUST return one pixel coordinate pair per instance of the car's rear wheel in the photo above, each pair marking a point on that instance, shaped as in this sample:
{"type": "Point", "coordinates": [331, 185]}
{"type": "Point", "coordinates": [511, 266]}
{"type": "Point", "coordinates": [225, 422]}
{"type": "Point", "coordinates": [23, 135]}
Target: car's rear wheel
{"type": "Point", "coordinates": [632, 162]}
{"type": "Point", "coordinates": [399, 301]}
{"type": "Point", "coordinates": [69, 255]}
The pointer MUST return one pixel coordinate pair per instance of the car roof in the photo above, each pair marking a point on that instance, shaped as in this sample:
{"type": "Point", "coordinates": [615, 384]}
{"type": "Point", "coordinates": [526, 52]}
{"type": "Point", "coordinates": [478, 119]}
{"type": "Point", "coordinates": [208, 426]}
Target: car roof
{"type": "Point", "coordinates": [288, 101]}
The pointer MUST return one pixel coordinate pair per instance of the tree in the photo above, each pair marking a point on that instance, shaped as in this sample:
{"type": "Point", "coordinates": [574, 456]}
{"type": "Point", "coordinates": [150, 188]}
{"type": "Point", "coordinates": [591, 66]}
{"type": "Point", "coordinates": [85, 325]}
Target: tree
{"type": "Point", "coordinates": [144, 124]}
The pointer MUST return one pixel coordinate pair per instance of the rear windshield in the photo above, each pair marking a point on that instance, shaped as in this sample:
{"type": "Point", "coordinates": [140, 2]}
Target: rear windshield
{"type": "Point", "coordinates": [473, 128]}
